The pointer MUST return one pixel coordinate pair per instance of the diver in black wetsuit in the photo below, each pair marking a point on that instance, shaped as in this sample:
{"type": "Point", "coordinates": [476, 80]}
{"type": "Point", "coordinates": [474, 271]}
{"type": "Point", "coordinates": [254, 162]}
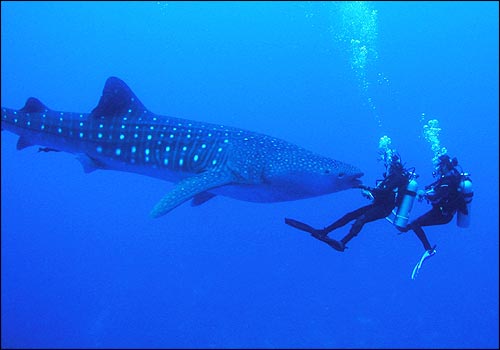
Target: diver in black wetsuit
{"type": "Point", "coordinates": [384, 201]}
{"type": "Point", "coordinates": [445, 197]}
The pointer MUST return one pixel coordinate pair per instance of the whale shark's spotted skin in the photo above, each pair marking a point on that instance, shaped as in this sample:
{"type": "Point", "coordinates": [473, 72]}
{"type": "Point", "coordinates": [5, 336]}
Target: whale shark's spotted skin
{"type": "Point", "coordinates": [204, 159]}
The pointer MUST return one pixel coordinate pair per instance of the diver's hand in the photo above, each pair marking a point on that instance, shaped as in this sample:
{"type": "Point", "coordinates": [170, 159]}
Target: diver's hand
{"type": "Point", "coordinates": [420, 195]}
{"type": "Point", "coordinates": [367, 194]}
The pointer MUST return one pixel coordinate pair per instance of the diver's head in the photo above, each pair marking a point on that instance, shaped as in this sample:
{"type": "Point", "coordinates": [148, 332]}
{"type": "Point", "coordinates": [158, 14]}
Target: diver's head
{"type": "Point", "coordinates": [394, 165]}
{"type": "Point", "coordinates": [444, 165]}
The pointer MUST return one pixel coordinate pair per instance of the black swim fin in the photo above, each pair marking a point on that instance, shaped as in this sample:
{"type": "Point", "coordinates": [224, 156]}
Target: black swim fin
{"type": "Point", "coordinates": [300, 225]}
{"type": "Point", "coordinates": [316, 234]}
{"type": "Point", "coordinates": [339, 246]}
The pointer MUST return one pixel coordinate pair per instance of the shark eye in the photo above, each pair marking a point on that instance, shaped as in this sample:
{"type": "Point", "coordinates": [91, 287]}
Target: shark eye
{"type": "Point", "coordinates": [341, 175]}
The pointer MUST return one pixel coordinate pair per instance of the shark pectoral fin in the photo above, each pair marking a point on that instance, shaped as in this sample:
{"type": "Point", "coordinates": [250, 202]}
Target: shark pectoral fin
{"type": "Point", "coordinates": [190, 187]}
{"type": "Point", "coordinates": [201, 198]}
{"type": "Point", "coordinates": [89, 164]}
{"type": "Point", "coordinates": [23, 143]}
{"type": "Point", "coordinates": [47, 149]}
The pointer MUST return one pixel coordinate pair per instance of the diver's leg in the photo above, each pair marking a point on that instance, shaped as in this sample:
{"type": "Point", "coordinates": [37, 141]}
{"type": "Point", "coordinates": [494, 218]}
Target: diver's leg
{"type": "Point", "coordinates": [421, 236]}
{"type": "Point", "coordinates": [432, 217]}
{"type": "Point", "coordinates": [353, 232]}
{"type": "Point", "coordinates": [376, 212]}
{"type": "Point", "coordinates": [355, 229]}
{"type": "Point", "coordinates": [347, 218]}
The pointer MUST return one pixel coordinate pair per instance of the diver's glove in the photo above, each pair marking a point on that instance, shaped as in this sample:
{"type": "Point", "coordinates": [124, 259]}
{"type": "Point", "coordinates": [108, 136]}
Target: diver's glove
{"type": "Point", "coordinates": [427, 254]}
{"type": "Point", "coordinates": [420, 195]}
{"type": "Point", "coordinates": [367, 194]}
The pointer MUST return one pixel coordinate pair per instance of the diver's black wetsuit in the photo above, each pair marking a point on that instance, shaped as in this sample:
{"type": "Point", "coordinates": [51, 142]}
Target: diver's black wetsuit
{"type": "Point", "coordinates": [446, 200]}
{"type": "Point", "coordinates": [383, 203]}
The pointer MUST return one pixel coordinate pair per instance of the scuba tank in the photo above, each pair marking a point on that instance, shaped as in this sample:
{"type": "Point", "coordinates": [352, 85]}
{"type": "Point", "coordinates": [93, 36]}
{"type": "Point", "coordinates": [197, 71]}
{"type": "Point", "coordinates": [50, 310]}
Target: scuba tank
{"type": "Point", "coordinates": [463, 220]}
{"type": "Point", "coordinates": [401, 214]}
{"type": "Point", "coordinates": [404, 209]}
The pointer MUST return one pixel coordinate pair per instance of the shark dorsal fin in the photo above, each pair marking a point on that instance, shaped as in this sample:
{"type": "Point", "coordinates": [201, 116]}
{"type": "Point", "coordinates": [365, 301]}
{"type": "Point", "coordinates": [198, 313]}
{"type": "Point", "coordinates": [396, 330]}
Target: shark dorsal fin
{"type": "Point", "coordinates": [33, 105]}
{"type": "Point", "coordinates": [117, 99]}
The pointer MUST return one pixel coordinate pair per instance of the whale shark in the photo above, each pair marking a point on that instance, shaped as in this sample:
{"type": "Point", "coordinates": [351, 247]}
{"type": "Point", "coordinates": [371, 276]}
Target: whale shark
{"type": "Point", "coordinates": [202, 159]}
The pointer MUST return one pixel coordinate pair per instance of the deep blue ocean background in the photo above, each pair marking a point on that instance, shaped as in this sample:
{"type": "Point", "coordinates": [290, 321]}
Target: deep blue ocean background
{"type": "Point", "coordinates": [83, 264]}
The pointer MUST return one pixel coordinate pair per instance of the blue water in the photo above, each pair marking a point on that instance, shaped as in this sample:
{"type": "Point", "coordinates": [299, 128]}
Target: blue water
{"type": "Point", "coordinates": [83, 264]}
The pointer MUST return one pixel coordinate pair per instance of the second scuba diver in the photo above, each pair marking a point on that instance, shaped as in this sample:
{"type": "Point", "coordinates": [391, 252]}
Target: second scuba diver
{"type": "Point", "coordinates": [446, 198]}
{"type": "Point", "coordinates": [450, 194]}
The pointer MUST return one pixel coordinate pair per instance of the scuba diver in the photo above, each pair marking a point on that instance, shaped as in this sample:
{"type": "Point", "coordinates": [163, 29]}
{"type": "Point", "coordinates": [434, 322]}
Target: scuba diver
{"type": "Point", "coordinates": [447, 197]}
{"type": "Point", "coordinates": [451, 193]}
{"type": "Point", "coordinates": [384, 200]}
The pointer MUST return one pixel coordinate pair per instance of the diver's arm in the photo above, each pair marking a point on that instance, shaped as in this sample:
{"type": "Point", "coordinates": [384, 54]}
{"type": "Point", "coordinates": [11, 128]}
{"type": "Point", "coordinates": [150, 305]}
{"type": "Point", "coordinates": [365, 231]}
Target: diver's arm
{"type": "Point", "coordinates": [387, 185]}
{"type": "Point", "coordinates": [437, 192]}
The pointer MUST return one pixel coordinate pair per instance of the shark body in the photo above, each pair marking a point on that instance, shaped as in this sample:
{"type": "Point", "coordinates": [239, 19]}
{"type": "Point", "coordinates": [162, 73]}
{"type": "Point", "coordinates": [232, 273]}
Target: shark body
{"type": "Point", "coordinates": [203, 159]}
